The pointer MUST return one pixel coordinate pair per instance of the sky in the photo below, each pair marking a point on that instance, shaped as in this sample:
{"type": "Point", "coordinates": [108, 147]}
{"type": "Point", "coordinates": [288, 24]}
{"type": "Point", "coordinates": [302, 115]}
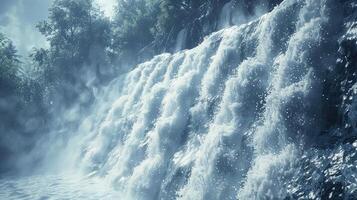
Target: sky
{"type": "Point", "coordinates": [18, 19]}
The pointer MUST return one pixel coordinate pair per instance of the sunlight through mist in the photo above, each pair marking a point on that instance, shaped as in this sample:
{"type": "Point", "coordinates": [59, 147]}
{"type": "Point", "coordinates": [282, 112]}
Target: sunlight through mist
{"type": "Point", "coordinates": [107, 6]}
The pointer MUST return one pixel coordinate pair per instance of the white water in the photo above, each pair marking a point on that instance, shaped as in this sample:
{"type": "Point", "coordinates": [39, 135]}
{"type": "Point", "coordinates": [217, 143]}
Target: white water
{"type": "Point", "coordinates": [215, 122]}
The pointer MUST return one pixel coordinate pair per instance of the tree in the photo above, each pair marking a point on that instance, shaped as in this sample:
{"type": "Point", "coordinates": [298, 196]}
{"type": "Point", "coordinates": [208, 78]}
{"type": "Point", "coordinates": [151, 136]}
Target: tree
{"type": "Point", "coordinates": [196, 16]}
{"type": "Point", "coordinates": [20, 100]}
{"type": "Point", "coordinates": [76, 31]}
{"type": "Point", "coordinates": [133, 25]}
{"type": "Point", "coordinates": [80, 39]}
{"type": "Point", "coordinates": [9, 65]}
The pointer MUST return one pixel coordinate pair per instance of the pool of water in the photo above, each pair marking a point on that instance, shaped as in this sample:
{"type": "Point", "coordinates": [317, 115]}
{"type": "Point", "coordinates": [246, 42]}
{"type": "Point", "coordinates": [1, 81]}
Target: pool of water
{"type": "Point", "coordinates": [52, 187]}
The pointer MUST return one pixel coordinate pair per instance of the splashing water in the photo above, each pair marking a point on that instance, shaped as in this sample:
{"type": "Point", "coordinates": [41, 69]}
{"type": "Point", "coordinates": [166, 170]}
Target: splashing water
{"type": "Point", "coordinates": [220, 121]}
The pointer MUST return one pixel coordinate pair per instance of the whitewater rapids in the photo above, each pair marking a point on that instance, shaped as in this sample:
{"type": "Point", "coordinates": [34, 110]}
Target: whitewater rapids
{"type": "Point", "coordinates": [224, 120]}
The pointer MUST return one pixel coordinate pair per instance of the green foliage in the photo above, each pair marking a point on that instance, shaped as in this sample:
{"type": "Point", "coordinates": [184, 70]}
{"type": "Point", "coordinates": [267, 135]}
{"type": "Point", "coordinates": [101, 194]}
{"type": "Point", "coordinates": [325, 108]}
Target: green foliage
{"type": "Point", "coordinates": [9, 65]}
{"type": "Point", "coordinates": [75, 30]}
{"type": "Point", "coordinates": [140, 24]}
{"type": "Point", "coordinates": [20, 100]}
{"type": "Point", "coordinates": [12, 84]}
{"type": "Point", "coordinates": [133, 24]}
{"type": "Point", "coordinates": [175, 14]}
{"type": "Point", "coordinates": [156, 23]}
{"type": "Point", "coordinates": [80, 36]}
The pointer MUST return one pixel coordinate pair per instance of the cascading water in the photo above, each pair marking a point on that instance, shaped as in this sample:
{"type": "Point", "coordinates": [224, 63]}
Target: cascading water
{"type": "Point", "coordinates": [224, 120]}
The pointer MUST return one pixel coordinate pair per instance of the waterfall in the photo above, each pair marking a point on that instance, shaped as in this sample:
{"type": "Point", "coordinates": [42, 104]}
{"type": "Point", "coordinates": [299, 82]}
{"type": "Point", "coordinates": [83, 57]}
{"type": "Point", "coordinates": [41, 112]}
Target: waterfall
{"type": "Point", "coordinates": [224, 120]}
{"type": "Point", "coordinates": [216, 121]}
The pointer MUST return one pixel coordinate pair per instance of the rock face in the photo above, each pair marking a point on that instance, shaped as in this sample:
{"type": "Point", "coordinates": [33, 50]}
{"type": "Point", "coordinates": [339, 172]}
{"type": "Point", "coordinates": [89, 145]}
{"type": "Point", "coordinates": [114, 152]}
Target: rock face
{"type": "Point", "coordinates": [347, 68]}
{"type": "Point", "coordinates": [329, 166]}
